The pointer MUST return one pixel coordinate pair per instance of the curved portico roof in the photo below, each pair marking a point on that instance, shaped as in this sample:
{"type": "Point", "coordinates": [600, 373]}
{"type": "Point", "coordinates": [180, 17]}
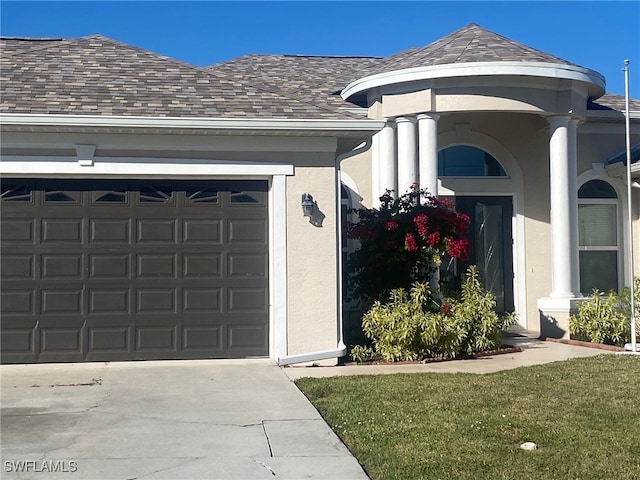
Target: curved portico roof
{"type": "Point", "coordinates": [474, 51]}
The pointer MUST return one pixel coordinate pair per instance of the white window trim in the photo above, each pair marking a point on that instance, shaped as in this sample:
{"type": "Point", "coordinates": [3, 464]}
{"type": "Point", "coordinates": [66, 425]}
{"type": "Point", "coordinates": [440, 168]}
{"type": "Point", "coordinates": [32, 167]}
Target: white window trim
{"type": "Point", "coordinates": [621, 226]}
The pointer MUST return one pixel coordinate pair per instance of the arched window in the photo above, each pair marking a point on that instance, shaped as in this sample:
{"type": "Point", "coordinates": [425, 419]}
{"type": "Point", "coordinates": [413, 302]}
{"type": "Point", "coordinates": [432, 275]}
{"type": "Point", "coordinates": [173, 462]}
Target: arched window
{"type": "Point", "coordinates": [468, 161]}
{"type": "Point", "coordinates": [598, 237]}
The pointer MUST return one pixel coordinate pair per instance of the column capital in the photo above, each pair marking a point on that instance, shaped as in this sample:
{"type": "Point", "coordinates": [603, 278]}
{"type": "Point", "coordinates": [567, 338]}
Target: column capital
{"type": "Point", "coordinates": [428, 116]}
{"type": "Point", "coordinates": [563, 119]}
{"type": "Point", "coordinates": [407, 118]}
{"type": "Point", "coordinates": [559, 120]}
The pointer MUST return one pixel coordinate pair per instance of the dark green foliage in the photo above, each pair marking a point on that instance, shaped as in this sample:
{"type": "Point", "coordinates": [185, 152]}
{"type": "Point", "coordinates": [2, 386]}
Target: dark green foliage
{"type": "Point", "coordinates": [413, 326]}
{"type": "Point", "coordinates": [402, 243]}
{"type": "Point", "coordinates": [605, 318]}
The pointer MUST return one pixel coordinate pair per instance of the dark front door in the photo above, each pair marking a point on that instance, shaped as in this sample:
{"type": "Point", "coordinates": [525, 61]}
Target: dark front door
{"type": "Point", "coordinates": [133, 269]}
{"type": "Point", "coordinates": [491, 238]}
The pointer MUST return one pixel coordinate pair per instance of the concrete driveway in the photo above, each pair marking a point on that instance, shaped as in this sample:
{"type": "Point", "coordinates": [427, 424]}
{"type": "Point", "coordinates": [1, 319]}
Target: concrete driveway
{"type": "Point", "coordinates": [210, 419]}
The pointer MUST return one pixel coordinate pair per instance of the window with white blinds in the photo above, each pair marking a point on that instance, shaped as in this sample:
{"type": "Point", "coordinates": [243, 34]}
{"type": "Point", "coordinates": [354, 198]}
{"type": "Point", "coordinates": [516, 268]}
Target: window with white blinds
{"type": "Point", "coordinates": [598, 237]}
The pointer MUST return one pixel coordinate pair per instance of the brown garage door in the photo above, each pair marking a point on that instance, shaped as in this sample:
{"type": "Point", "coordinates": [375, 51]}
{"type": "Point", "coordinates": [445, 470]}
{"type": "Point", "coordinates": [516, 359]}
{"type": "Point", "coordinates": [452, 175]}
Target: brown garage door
{"type": "Point", "coordinates": [127, 270]}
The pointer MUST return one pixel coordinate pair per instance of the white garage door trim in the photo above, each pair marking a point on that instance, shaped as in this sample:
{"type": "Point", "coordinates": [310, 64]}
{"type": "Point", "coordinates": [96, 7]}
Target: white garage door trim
{"type": "Point", "coordinates": [176, 168]}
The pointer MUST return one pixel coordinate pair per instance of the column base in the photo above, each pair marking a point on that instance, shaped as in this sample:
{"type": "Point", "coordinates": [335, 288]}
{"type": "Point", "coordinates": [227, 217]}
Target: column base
{"type": "Point", "coordinates": [555, 313]}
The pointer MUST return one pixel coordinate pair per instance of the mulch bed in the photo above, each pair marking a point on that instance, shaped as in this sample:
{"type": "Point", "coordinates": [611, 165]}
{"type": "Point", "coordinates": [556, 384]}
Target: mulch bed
{"type": "Point", "coordinates": [580, 343]}
{"type": "Point", "coordinates": [488, 353]}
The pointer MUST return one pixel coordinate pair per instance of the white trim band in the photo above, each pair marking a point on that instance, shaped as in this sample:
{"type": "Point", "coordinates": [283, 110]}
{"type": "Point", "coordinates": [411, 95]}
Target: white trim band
{"type": "Point", "coordinates": [26, 119]}
{"type": "Point", "coordinates": [475, 69]}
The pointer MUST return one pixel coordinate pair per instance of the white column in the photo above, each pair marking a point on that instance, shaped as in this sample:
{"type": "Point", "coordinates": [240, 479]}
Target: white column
{"type": "Point", "coordinates": [407, 161]}
{"type": "Point", "coordinates": [387, 170]}
{"type": "Point", "coordinates": [428, 152]}
{"type": "Point", "coordinates": [375, 170]}
{"type": "Point", "coordinates": [564, 237]}
{"type": "Point", "coordinates": [572, 133]}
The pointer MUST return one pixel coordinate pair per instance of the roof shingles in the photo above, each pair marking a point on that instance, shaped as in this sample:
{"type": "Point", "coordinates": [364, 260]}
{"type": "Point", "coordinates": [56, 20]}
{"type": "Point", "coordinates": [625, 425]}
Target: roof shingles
{"type": "Point", "coordinates": [98, 76]}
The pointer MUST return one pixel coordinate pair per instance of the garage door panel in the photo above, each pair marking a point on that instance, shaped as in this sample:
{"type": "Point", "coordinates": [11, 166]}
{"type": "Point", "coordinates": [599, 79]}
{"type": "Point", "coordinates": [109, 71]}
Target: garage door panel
{"type": "Point", "coordinates": [247, 231]}
{"type": "Point", "coordinates": [115, 266]}
{"type": "Point", "coordinates": [17, 266]}
{"type": "Point", "coordinates": [61, 266]}
{"type": "Point", "coordinates": [246, 336]}
{"type": "Point", "coordinates": [160, 338]}
{"type": "Point", "coordinates": [17, 301]}
{"type": "Point", "coordinates": [60, 340]}
{"type": "Point", "coordinates": [156, 231]}
{"type": "Point", "coordinates": [242, 299]}
{"type": "Point", "coordinates": [109, 339]}
{"type": "Point", "coordinates": [247, 265]}
{"type": "Point", "coordinates": [112, 301]}
{"type": "Point", "coordinates": [62, 230]}
{"type": "Point", "coordinates": [202, 300]}
{"type": "Point", "coordinates": [17, 230]}
{"type": "Point", "coordinates": [198, 265]}
{"type": "Point", "coordinates": [110, 230]}
{"type": "Point", "coordinates": [202, 230]}
{"type": "Point", "coordinates": [56, 301]}
{"type": "Point", "coordinates": [18, 341]}
{"type": "Point", "coordinates": [117, 270]}
{"type": "Point", "coordinates": [207, 338]}
{"type": "Point", "coordinates": [156, 300]}
{"type": "Point", "coordinates": [156, 266]}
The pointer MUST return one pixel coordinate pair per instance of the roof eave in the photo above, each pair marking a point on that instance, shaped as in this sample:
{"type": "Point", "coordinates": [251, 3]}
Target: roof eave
{"type": "Point", "coordinates": [595, 80]}
{"type": "Point", "coordinates": [265, 126]}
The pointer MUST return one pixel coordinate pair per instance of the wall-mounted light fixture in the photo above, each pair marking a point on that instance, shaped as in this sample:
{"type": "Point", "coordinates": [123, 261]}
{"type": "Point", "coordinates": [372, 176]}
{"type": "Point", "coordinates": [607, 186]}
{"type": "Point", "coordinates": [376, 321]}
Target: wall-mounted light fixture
{"type": "Point", "coordinates": [307, 205]}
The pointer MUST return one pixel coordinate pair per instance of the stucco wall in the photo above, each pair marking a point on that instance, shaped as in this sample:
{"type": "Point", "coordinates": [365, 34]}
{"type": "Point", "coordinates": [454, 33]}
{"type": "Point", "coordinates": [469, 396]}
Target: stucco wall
{"type": "Point", "coordinates": [311, 262]}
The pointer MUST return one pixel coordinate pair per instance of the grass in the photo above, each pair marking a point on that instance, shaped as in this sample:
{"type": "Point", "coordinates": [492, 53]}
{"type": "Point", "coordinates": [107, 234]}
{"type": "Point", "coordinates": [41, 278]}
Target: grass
{"type": "Point", "coordinates": [584, 415]}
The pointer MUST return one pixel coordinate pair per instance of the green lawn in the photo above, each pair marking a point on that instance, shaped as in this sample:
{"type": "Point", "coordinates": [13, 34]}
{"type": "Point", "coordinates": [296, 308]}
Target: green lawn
{"type": "Point", "coordinates": [584, 415]}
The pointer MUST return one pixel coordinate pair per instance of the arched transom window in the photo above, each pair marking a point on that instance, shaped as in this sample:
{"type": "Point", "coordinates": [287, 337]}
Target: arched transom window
{"type": "Point", "coordinates": [468, 161]}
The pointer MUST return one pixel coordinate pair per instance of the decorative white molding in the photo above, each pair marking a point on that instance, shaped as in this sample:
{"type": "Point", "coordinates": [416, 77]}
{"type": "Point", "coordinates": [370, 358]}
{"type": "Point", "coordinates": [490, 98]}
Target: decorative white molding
{"type": "Point", "coordinates": [58, 166]}
{"type": "Point", "coordinates": [593, 79]}
{"type": "Point", "coordinates": [323, 126]}
{"type": "Point", "coordinates": [278, 318]}
{"type": "Point", "coordinates": [85, 154]}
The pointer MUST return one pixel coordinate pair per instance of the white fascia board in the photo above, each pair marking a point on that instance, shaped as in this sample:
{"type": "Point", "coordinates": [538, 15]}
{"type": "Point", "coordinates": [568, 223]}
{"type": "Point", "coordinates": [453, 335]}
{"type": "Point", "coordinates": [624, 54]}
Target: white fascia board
{"type": "Point", "coordinates": [475, 69]}
{"type": "Point", "coordinates": [47, 166]}
{"type": "Point", "coordinates": [191, 123]}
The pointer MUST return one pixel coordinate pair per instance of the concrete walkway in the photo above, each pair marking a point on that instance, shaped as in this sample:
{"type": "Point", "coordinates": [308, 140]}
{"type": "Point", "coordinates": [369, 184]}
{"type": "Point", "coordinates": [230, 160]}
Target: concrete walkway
{"type": "Point", "coordinates": [164, 420]}
{"type": "Point", "coordinates": [210, 419]}
{"type": "Point", "coordinates": [533, 352]}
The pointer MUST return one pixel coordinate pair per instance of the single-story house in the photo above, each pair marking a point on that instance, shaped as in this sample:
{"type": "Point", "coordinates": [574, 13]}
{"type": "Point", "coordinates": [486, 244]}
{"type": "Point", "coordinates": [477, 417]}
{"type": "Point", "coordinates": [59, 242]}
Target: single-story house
{"type": "Point", "coordinates": [152, 209]}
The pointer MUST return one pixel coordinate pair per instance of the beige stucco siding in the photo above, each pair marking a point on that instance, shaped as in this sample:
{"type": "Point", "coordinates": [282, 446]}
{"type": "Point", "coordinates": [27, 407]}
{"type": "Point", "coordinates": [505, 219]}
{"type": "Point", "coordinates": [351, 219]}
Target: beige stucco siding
{"type": "Point", "coordinates": [311, 263]}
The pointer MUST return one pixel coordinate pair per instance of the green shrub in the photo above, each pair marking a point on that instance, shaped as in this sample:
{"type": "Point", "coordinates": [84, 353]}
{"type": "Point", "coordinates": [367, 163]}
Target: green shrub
{"type": "Point", "coordinates": [476, 316]}
{"type": "Point", "coordinates": [360, 353]}
{"type": "Point", "coordinates": [413, 326]}
{"type": "Point", "coordinates": [603, 318]}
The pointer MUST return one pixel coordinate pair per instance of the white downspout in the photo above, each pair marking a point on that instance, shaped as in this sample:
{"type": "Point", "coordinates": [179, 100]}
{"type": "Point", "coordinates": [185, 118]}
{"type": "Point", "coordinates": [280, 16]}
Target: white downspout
{"type": "Point", "coordinates": [341, 349]}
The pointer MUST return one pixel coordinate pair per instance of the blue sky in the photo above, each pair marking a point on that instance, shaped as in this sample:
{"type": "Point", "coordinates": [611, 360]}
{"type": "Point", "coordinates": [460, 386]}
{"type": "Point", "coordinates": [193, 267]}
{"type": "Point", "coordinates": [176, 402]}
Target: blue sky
{"type": "Point", "coordinates": [596, 34]}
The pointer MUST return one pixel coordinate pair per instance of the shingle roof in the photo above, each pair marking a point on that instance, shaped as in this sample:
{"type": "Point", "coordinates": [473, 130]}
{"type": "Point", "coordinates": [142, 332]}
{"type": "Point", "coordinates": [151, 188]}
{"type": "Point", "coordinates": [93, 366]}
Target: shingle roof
{"type": "Point", "coordinates": [609, 101]}
{"type": "Point", "coordinates": [320, 78]}
{"type": "Point", "coordinates": [99, 76]}
{"type": "Point", "coordinates": [469, 44]}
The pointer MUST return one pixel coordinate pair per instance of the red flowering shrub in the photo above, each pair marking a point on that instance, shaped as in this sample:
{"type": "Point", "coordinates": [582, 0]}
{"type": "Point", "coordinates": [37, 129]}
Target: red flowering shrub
{"type": "Point", "coordinates": [402, 242]}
